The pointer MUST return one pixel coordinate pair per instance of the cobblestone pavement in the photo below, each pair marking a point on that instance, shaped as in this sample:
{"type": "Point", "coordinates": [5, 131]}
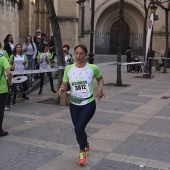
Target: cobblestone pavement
{"type": "Point", "coordinates": [129, 131]}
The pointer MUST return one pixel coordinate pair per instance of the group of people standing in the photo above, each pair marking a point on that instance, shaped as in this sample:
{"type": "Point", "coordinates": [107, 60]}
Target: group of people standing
{"type": "Point", "coordinates": [29, 56]}
{"type": "Point", "coordinates": [79, 76]}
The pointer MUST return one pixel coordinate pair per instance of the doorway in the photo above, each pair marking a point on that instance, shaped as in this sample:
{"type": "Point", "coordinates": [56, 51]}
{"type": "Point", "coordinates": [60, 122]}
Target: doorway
{"type": "Point", "coordinates": [114, 37]}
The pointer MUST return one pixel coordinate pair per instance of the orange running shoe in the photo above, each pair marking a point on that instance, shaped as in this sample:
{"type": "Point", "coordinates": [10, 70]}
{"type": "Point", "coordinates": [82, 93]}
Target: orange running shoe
{"type": "Point", "coordinates": [82, 157]}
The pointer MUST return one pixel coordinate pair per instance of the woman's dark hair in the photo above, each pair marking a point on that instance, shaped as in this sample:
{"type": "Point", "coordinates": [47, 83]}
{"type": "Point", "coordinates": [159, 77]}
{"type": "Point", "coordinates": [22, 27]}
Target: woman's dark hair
{"type": "Point", "coordinates": [83, 47]}
{"type": "Point", "coordinates": [31, 41]}
{"type": "Point", "coordinates": [45, 45]}
{"type": "Point", "coordinates": [6, 40]}
{"type": "Point", "coordinates": [66, 46]}
{"type": "Point", "coordinates": [15, 51]}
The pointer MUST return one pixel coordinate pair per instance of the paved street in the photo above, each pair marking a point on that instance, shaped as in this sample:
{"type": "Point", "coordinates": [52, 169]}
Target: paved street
{"type": "Point", "coordinates": [130, 129]}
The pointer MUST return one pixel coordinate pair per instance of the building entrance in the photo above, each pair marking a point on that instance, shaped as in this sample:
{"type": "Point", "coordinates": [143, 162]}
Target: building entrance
{"type": "Point", "coordinates": [114, 37]}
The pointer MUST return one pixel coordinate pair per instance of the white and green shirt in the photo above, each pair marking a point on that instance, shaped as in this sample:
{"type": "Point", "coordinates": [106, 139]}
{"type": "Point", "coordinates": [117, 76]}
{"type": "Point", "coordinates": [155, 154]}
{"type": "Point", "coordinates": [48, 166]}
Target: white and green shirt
{"type": "Point", "coordinates": [81, 81]}
{"type": "Point", "coordinates": [18, 61]}
{"type": "Point", "coordinates": [43, 57]}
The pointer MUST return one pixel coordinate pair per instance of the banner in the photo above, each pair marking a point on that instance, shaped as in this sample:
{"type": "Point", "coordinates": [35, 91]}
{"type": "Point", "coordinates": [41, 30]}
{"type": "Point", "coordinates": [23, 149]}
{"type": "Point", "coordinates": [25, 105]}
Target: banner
{"type": "Point", "coordinates": [34, 71]}
{"type": "Point", "coordinates": [148, 38]}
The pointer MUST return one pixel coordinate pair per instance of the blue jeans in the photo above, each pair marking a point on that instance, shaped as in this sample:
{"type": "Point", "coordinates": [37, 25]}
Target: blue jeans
{"type": "Point", "coordinates": [31, 63]}
{"type": "Point", "coordinates": [81, 115]}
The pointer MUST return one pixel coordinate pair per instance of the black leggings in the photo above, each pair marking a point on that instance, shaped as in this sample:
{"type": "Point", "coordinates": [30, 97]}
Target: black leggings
{"type": "Point", "coordinates": [42, 80]}
{"type": "Point", "coordinates": [81, 115]}
{"type": "Point", "coordinates": [3, 98]}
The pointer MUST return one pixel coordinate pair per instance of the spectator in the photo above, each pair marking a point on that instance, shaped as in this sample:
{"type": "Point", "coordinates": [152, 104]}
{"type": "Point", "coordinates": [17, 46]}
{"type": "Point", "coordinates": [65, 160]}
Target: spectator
{"type": "Point", "coordinates": [9, 46]}
{"type": "Point", "coordinates": [39, 46]}
{"type": "Point", "coordinates": [30, 50]}
{"type": "Point", "coordinates": [4, 67]}
{"type": "Point", "coordinates": [38, 33]}
{"type": "Point", "coordinates": [43, 59]}
{"type": "Point", "coordinates": [19, 62]}
{"type": "Point", "coordinates": [68, 59]}
{"type": "Point", "coordinates": [44, 38]}
{"type": "Point", "coordinates": [68, 48]}
{"type": "Point", "coordinates": [129, 59]}
{"type": "Point", "coordinates": [3, 52]}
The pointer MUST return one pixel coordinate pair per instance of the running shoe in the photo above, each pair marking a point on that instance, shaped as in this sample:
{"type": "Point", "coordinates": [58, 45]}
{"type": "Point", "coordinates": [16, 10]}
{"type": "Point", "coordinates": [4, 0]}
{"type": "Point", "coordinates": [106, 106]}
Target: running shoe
{"type": "Point", "coordinates": [82, 157]}
{"type": "Point", "coordinates": [87, 149]}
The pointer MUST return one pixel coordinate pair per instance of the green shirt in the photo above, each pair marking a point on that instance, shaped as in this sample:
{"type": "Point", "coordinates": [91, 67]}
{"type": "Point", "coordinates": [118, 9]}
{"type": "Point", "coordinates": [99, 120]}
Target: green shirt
{"type": "Point", "coordinates": [81, 81]}
{"type": "Point", "coordinates": [44, 64]}
{"type": "Point", "coordinates": [11, 59]}
{"type": "Point", "coordinates": [4, 53]}
{"type": "Point", "coordinates": [3, 82]}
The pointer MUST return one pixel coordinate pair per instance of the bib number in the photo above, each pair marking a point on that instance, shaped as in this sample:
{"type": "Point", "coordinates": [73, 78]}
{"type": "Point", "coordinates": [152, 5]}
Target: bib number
{"type": "Point", "coordinates": [80, 87]}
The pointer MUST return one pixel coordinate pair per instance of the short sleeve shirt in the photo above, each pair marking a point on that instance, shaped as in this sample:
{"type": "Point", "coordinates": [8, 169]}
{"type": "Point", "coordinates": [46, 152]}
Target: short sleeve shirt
{"type": "Point", "coordinates": [3, 82]}
{"type": "Point", "coordinates": [42, 57]}
{"type": "Point", "coordinates": [18, 61]}
{"type": "Point", "coordinates": [81, 81]}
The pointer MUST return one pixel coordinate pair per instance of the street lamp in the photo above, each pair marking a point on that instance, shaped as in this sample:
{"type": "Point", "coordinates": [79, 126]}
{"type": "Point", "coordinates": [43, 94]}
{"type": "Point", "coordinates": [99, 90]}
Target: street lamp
{"type": "Point", "coordinates": [91, 54]}
{"type": "Point", "coordinates": [80, 1]}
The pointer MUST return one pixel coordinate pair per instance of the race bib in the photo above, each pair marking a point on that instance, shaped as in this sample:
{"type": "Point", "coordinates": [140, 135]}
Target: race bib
{"type": "Point", "coordinates": [80, 87]}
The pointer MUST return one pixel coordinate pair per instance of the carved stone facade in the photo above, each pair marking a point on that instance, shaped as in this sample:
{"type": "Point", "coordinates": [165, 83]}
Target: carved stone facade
{"type": "Point", "coordinates": [9, 19]}
{"type": "Point", "coordinates": [105, 21]}
{"type": "Point", "coordinates": [33, 15]}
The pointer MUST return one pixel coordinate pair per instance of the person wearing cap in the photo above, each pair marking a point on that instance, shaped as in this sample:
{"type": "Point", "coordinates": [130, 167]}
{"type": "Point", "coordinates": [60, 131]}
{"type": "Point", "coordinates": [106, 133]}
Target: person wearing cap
{"type": "Point", "coordinates": [39, 46]}
{"type": "Point", "coordinates": [38, 33]}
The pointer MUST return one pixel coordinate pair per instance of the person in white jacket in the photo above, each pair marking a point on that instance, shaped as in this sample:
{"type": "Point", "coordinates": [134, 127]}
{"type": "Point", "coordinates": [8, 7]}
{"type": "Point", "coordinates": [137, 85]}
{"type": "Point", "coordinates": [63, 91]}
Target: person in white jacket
{"type": "Point", "coordinates": [30, 50]}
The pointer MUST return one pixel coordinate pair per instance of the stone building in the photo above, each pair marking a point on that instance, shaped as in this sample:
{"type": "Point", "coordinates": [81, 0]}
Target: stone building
{"type": "Point", "coordinates": [32, 14]}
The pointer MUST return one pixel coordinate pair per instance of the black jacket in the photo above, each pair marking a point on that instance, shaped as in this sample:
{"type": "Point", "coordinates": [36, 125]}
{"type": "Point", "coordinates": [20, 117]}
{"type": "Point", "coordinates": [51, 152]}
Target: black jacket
{"type": "Point", "coordinates": [7, 48]}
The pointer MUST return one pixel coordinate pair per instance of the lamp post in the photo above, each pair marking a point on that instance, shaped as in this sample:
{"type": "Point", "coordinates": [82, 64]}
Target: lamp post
{"type": "Point", "coordinates": [91, 54]}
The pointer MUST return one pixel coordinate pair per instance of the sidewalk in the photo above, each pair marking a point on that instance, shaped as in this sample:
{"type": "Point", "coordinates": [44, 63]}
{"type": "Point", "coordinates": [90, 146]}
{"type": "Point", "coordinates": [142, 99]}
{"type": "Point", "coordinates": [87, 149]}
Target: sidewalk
{"type": "Point", "coordinates": [130, 129]}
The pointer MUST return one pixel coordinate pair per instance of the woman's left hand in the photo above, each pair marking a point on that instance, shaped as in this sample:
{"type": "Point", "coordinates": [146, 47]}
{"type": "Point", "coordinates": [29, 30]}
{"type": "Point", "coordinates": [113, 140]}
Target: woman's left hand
{"type": "Point", "coordinates": [100, 94]}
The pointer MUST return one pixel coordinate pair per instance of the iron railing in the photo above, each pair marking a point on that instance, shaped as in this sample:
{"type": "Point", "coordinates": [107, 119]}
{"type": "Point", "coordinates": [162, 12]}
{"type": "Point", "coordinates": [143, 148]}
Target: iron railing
{"type": "Point", "coordinates": [105, 43]}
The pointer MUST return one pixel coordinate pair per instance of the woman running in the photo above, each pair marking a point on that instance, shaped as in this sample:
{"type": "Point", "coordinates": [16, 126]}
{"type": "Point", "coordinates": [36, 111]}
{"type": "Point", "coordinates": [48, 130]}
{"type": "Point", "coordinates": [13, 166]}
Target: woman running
{"type": "Point", "coordinates": [82, 103]}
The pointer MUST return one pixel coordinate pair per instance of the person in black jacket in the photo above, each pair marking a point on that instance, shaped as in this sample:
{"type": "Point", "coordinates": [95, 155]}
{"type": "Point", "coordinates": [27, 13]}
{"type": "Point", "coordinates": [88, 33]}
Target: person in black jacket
{"type": "Point", "coordinates": [8, 44]}
{"type": "Point", "coordinates": [39, 44]}
{"type": "Point", "coordinates": [129, 58]}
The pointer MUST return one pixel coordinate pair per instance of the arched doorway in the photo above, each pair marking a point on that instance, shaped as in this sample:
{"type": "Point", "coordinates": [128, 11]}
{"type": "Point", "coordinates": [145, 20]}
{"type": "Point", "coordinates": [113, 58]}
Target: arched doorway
{"type": "Point", "coordinates": [114, 37]}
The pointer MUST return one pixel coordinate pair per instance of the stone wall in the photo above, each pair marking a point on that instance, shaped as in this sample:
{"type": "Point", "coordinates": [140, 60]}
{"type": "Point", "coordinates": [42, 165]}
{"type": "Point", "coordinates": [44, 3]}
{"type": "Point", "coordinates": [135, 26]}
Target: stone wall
{"type": "Point", "coordinates": [9, 20]}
